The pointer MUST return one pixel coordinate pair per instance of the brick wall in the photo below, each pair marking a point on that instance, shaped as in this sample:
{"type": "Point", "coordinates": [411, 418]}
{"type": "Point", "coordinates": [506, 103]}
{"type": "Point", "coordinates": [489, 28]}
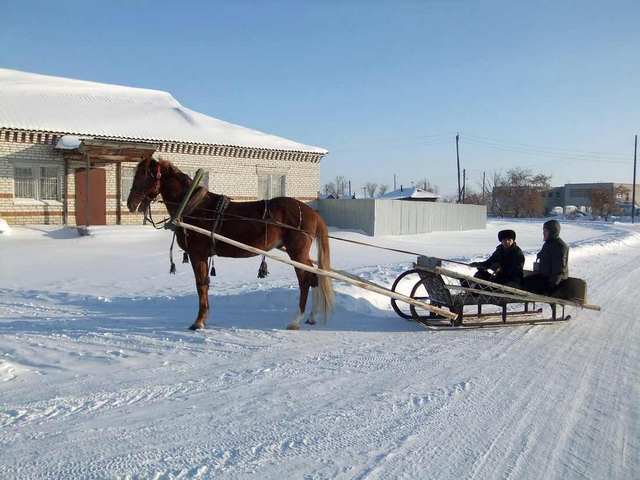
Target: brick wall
{"type": "Point", "coordinates": [236, 177]}
{"type": "Point", "coordinates": [21, 211]}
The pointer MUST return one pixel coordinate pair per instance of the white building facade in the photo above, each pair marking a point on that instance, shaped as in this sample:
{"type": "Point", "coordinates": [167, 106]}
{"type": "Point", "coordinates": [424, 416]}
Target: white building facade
{"type": "Point", "coordinates": [43, 180]}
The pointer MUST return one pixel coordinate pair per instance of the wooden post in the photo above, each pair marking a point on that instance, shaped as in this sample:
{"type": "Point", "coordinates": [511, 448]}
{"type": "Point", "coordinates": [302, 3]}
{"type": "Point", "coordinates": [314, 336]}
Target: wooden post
{"type": "Point", "coordinates": [88, 204]}
{"type": "Point", "coordinates": [65, 186]}
{"type": "Point", "coordinates": [633, 195]}
{"type": "Point", "coordinates": [118, 193]}
{"type": "Point", "coordinates": [464, 183]}
{"type": "Point", "coordinates": [458, 161]}
{"type": "Point", "coordinates": [483, 183]}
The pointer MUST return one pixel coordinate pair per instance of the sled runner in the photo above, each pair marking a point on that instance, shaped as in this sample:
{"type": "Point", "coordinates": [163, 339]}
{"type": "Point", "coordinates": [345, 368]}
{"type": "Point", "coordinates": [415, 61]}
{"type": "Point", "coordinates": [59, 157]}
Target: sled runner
{"type": "Point", "coordinates": [429, 282]}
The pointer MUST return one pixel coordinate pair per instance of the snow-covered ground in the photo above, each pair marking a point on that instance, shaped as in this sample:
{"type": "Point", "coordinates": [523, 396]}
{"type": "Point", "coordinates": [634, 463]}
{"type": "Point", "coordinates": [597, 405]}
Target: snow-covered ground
{"type": "Point", "coordinates": [100, 378]}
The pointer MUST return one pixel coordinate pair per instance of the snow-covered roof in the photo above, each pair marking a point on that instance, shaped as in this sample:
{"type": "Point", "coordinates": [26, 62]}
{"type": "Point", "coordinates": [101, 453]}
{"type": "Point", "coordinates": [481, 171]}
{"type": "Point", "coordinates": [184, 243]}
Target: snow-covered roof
{"type": "Point", "coordinates": [411, 192]}
{"type": "Point", "coordinates": [31, 101]}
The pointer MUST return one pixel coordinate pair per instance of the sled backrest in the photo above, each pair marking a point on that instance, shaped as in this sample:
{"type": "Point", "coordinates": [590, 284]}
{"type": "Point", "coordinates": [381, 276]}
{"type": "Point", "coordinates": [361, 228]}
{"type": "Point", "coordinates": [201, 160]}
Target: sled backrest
{"type": "Point", "coordinates": [574, 289]}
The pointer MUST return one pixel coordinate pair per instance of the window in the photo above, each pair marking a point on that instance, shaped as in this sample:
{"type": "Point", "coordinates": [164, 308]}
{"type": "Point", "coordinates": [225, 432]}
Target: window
{"type": "Point", "coordinates": [24, 187]}
{"type": "Point", "coordinates": [37, 182]}
{"type": "Point", "coordinates": [49, 183]}
{"type": "Point", "coordinates": [271, 185]}
{"type": "Point", "coordinates": [126, 182]}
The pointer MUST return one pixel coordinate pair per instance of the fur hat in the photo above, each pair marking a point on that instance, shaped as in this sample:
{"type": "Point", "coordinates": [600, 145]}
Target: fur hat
{"type": "Point", "coordinates": [502, 234]}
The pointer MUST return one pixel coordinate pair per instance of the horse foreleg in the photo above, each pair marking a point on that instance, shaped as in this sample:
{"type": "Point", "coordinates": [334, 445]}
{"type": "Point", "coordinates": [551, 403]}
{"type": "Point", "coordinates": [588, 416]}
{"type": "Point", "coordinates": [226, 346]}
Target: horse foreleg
{"type": "Point", "coordinates": [303, 283]}
{"type": "Point", "coordinates": [201, 273]}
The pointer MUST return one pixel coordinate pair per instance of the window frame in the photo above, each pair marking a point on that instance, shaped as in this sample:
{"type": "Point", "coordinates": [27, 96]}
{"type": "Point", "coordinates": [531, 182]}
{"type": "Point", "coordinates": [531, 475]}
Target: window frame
{"type": "Point", "coordinates": [36, 179]}
{"type": "Point", "coordinates": [123, 197]}
{"type": "Point", "coordinates": [282, 176]}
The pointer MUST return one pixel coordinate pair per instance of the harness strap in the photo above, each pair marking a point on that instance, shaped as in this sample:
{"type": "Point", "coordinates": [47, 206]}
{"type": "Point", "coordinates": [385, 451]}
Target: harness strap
{"type": "Point", "coordinates": [222, 205]}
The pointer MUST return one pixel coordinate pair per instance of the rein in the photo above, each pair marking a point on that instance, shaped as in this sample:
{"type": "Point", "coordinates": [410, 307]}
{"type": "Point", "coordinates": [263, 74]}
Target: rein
{"type": "Point", "coordinates": [298, 229]}
{"type": "Point", "coordinates": [190, 204]}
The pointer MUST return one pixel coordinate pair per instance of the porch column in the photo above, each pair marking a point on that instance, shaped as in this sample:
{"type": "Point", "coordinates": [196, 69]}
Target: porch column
{"type": "Point", "coordinates": [65, 186]}
{"type": "Point", "coordinates": [88, 205]}
{"type": "Point", "coordinates": [119, 193]}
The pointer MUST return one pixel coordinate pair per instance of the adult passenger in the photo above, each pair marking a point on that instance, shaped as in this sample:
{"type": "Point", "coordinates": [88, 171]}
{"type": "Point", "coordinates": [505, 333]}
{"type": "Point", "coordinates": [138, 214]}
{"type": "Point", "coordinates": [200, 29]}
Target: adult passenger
{"type": "Point", "coordinates": [552, 264]}
{"type": "Point", "coordinates": [507, 262]}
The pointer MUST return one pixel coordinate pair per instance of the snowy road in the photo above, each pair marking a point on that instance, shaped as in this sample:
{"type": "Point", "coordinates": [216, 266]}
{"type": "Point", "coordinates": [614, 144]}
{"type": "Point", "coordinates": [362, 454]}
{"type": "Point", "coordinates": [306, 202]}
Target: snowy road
{"type": "Point", "coordinates": [109, 384]}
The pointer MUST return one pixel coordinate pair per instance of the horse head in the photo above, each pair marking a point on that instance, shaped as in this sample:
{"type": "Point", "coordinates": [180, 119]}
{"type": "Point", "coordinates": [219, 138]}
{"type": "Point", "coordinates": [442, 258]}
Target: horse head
{"type": "Point", "coordinates": [146, 185]}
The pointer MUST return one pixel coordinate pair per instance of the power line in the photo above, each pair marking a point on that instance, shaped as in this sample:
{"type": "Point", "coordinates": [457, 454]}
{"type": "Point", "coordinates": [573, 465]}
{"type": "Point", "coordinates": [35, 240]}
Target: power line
{"type": "Point", "coordinates": [546, 152]}
{"type": "Point", "coordinates": [543, 154]}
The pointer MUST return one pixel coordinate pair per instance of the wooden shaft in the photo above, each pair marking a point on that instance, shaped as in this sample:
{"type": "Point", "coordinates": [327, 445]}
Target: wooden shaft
{"type": "Point", "coordinates": [327, 273]}
{"type": "Point", "coordinates": [522, 294]}
{"type": "Point", "coordinates": [196, 182]}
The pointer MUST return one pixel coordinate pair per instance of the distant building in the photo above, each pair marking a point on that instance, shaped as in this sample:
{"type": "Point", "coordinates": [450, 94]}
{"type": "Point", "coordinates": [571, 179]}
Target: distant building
{"type": "Point", "coordinates": [579, 195]}
{"type": "Point", "coordinates": [414, 194]}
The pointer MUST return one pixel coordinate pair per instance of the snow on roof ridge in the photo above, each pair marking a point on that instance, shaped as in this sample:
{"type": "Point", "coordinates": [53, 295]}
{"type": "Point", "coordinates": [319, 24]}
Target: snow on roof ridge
{"type": "Point", "coordinates": [410, 192]}
{"type": "Point", "coordinates": [34, 101]}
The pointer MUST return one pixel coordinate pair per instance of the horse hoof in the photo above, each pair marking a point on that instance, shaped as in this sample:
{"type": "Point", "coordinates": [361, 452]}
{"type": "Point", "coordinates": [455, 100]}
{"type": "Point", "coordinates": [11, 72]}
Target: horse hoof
{"type": "Point", "coordinates": [293, 326]}
{"type": "Point", "coordinates": [310, 322]}
{"type": "Point", "coordinates": [195, 326]}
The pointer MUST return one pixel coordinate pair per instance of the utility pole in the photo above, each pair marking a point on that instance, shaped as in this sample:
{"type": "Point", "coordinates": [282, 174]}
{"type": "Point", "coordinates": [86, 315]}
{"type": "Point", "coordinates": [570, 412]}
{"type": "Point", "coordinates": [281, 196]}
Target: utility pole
{"type": "Point", "coordinates": [364, 192]}
{"type": "Point", "coordinates": [483, 183]}
{"type": "Point", "coordinates": [633, 195]}
{"type": "Point", "coordinates": [464, 183]}
{"type": "Point", "coordinates": [458, 161]}
{"type": "Point", "coordinates": [349, 188]}
{"type": "Point", "coordinates": [394, 182]}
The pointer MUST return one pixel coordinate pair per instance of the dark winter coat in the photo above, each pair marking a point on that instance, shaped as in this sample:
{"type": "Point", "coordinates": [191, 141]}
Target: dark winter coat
{"type": "Point", "coordinates": [554, 256]}
{"type": "Point", "coordinates": [508, 263]}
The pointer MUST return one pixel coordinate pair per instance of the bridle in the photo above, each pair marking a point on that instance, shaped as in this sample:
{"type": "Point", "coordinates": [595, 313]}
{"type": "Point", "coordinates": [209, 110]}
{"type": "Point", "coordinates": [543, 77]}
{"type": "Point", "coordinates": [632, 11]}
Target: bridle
{"type": "Point", "coordinates": [150, 194]}
{"type": "Point", "coordinates": [156, 182]}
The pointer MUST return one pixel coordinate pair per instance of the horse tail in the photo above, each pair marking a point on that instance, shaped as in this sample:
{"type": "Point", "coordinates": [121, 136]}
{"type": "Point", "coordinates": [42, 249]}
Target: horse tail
{"type": "Point", "coordinates": [327, 297]}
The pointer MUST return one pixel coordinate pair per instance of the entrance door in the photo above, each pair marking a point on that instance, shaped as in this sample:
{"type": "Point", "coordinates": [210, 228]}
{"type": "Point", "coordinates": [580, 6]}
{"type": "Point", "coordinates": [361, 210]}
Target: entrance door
{"type": "Point", "coordinates": [97, 211]}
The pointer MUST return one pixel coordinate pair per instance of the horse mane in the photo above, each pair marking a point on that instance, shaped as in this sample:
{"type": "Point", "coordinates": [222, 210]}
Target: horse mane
{"type": "Point", "coordinates": [176, 171]}
{"type": "Point", "coordinates": [198, 195]}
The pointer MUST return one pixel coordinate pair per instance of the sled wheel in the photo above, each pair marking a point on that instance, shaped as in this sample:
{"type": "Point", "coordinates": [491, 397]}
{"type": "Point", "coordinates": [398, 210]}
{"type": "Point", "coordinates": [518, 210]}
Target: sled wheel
{"type": "Point", "coordinates": [420, 292]}
{"type": "Point", "coordinates": [403, 285]}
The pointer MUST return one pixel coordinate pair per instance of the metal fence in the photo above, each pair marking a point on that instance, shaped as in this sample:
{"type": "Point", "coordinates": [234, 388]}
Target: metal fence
{"type": "Point", "coordinates": [397, 217]}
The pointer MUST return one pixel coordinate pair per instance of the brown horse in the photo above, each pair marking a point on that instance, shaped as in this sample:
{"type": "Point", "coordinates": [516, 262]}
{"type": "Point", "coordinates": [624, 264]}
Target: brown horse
{"type": "Point", "coordinates": [281, 222]}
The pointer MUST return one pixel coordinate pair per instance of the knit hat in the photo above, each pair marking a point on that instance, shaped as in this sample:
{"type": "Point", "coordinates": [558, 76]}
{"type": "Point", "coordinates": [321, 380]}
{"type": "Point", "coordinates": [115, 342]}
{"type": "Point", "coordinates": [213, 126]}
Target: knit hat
{"type": "Point", "coordinates": [502, 234]}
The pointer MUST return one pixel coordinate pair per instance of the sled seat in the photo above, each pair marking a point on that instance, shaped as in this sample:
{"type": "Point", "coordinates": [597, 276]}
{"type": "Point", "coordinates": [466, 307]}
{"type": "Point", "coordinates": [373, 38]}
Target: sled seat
{"type": "Point", "coordinates": [439, 295]}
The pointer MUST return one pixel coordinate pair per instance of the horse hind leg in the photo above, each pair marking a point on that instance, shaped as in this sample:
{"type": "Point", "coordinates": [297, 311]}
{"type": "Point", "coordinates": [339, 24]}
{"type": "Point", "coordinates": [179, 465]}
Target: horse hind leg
{"type": "Point", "coordinates": [315, 307]}
{"type": "Point", "coordinates": [304, 284]}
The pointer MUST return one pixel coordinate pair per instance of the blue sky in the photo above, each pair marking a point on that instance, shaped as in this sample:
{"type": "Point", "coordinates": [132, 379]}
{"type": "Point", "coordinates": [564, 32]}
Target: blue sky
{"type": "Point", "coordinates": [384, 86]}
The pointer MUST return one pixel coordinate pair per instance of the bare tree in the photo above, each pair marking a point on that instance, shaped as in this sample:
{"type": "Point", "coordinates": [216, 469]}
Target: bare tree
{"type": "Point", "coordinates": [472, 197]}
{"type": "Point", "coordinates": [604, 201]}
{"type": "Point", "coordinates": [382, 189]}
{"type": "Point", "coordinates": [520, 193]}
{"type": "Point", "coordinates": [341, 186]}
{"type": "Point", "coordinates": [370, 188]}
{"type": "Point", "coordinates": [329, 189]}
{"type": "Point", "coordinates": [622, 193]}
{"type": "Point", "coordinates": [425, 184]}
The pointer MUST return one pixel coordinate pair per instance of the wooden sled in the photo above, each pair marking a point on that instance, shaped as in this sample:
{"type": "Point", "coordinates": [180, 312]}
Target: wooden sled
{"type": "Point", "coordinates": [444, 288]}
